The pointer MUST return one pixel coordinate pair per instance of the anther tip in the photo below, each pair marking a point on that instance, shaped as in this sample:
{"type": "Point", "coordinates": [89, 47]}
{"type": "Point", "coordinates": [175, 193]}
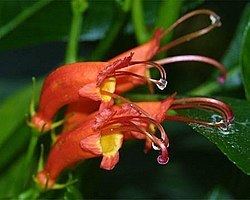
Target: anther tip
{"type": "Point", "coordinates": [162, 160]}
{"type": "Point", "coordinates": [221, 79]}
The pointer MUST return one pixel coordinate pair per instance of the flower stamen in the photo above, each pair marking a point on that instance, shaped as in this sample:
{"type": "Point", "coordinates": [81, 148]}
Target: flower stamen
{"type": "Point", "coordinates": [215, 22]}
{"type": "Point", "coordinates": [112, 71]}
{"type": "Point", "coordinates": [142, 112]}
{"type": "Point", "coordinates": [161, 83]}
{"type": "Point", "coordinates": [127, 125]}
{"type": "Point", "coordinates": [197, 58]}
{"type": "Point", "coordinates": [202, 103]}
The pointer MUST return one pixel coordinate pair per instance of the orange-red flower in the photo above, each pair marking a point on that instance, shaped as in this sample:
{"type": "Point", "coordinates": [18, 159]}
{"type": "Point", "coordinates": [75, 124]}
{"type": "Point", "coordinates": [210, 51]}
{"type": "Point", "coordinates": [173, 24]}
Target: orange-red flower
{"type": "Point", "coordinates": [78, 81]}
{"type": "Point", "coordinates": [103, 133]}
{"type": "Point", "coordinates": [146, 52]}
{"type": "Point", "coordinates": [96, 126]}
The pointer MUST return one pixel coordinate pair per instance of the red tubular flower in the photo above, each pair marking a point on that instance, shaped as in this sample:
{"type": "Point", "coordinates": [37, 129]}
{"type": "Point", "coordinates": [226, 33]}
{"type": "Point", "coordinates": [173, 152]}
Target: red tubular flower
{"type": "Point", "coordinates": [95, 127]}
{"type": "Point", "coordinates": [147, 51]}
{"type": "Point", "coordinates": [102, 134]}
{"type": "Point", "coordinates": [74, 82]}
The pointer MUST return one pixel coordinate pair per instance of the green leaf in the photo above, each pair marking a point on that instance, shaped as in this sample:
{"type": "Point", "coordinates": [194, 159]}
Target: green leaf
{"type": "Point", "coordinates": [46, 27]}
{"type": "Point", "coordinates": [72, 193]}
{"type": "Point", "coordinates": [245, 60]}
{"type": "Point", "coordinates": [32, 193]}
{"type": "Point", "coordinates": [218, 193]}
{"type": "Point", "coordinates": [14, 111]}
{"type": "Point", "coordinates": [235, 141]}
{"type": "Point", "coordinates": [7, 188]}
{"type": "Point", "coordinates": [232, 57]}
{"type": "Point", "coordinates": [13, 147]}
{"type": "Point", "coordinates": [22, 16]}
{"type": "Point", "coordinates": [12, 180]}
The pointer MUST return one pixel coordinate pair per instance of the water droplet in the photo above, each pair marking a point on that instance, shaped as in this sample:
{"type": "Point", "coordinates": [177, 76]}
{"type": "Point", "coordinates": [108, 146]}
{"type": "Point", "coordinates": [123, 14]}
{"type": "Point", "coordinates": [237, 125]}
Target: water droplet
{"type": "Point", "coordinates": [217, 119]}
{"type": "Point", "coordinates": [162, 84]}
{"type": "Point", "coordinates": [215, 19]}
{"type": "Point", "coordinates": [227, 129]}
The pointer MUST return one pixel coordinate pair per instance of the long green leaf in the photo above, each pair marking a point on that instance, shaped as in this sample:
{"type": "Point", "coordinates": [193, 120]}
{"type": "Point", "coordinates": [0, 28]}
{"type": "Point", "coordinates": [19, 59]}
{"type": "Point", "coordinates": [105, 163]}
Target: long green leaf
{"type": "Point", "coordinates": [218, 193]}
{"type": "Point", "coordinates": [235, 141]}
{"type": "Point", "coordinates": [12, 180]}
{"type": "Point", "coordinates": [46, 27]}
{"type": "Point", "coordinates": [14, 111]}
{"type": "Point", "coordinates": [22, 16]}
{"type": "Point", "coordinates": [245, 60]}
{"type": "Point", "coordinates": [13, 147]}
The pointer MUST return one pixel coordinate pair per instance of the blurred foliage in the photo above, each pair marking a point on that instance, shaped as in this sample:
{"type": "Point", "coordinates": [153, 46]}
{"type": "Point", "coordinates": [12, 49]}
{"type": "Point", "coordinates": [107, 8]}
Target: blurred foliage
{"type": "Point", "coordinates": [245, 59]}
{"type": "Point", "coordinates": [197, 168]}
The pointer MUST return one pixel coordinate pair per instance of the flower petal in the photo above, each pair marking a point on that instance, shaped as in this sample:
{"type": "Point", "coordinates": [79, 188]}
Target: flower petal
{"type": "Point", "coordinates": [92, 144]}
{"type": "Point", "coordinates": [109, 162]}
{"type": "Point", "coordinates": [90, 91]}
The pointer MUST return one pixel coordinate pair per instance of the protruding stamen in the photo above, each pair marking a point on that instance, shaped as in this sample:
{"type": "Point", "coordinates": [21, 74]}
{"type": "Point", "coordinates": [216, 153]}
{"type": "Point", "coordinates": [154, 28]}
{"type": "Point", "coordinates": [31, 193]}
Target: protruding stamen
{"type": "Point", "coordinates": [196, 58]}
{"type": "Point", "coordinates": [112, 70]}
{"type": "Point", "coordinates": [156, 65]}
{"type": "Point", "coordinates": [163, 157]}
{"type": "Point", "coordinates": [146, 119]}
{"type": "Point", "coordinates": [203, 103]}
{"type": "Point", "coordinates": [161, 144]}
{"type": "Point", "coordinates": [161, 83]}
{"type": "Point", "coordinates": [215, 22]}
{"type": "Point", "coordinates": [140, 119]}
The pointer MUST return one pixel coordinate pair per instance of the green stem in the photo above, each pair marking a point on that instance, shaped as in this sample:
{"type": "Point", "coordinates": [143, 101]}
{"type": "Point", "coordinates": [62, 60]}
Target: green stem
{"type": "Point", "coordinates": [30, 154]}
{"type": "Point", "coordinates": [145, 97]}
{"type": "Point", "coordinates": [78, 8]}
{"type": "Point", "coordinates": [21, 17]}
{"type": "Point", "coordinates": [168, 13]}
{"type": "Point", "coordinates": [139, 22]}
{"type": "Point", "coordinates": [111, 35]}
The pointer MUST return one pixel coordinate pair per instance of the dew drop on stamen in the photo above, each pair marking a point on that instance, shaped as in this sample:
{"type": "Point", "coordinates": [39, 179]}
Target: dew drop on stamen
{"type": "Point", "coordinates": [217, 119]}
{"type": "Point", "coordinates": [215, 19]}
{"type": "Point", "coordinates": [161, 84]}
{"type": "Point", "coordinates": [224, 128]}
